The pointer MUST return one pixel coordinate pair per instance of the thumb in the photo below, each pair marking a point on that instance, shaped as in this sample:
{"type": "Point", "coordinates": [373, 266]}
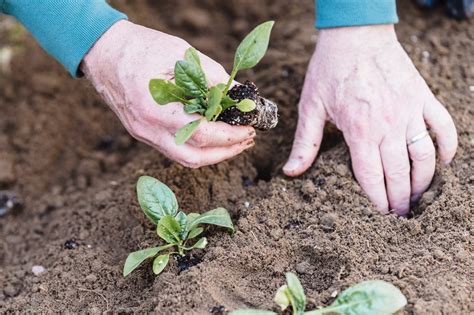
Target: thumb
{"type": "Point", "coordinates": [308, 136]}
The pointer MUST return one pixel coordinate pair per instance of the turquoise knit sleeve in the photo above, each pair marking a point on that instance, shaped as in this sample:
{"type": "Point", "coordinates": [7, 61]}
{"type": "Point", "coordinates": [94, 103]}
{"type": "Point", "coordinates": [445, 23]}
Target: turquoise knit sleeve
{"type": "Point", "coordinates": [66, 29]}
{"type": "Point", "coordinates": [339, 13]}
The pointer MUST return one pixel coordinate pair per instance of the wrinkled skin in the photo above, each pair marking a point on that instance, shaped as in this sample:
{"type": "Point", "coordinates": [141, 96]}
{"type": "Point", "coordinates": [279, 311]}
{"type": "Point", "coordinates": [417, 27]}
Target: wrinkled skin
{"type": "Point", "coordinates": [361, 80]}
{"type": "Point", "coordinates": [120, 66]}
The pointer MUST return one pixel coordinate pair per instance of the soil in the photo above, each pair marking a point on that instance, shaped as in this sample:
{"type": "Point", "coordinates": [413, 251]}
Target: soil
{"type": "Point", "coordinates": [263, 117]}
{"type": "Point", "coordinates": [74, 167]}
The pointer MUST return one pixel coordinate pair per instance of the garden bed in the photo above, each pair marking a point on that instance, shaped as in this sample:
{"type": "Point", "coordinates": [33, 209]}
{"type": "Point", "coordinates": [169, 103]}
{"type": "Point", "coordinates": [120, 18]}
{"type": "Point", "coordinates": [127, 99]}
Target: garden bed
{"type": "Point", "coordinates": [74, 168]}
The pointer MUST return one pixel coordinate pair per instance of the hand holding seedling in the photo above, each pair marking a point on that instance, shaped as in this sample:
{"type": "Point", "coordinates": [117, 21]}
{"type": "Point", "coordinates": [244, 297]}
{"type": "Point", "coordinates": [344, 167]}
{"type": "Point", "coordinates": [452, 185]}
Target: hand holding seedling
{"type": "Point", "coordinates": [240, 105]}
{"type": "Point", "coordinates": [361, 79]}
{"type": "Point", "coordinates": [121, 64]}
{"type": "Point", "coordinates": [372, 297]}
{"type": "Point", "coordinates": [175, 227]}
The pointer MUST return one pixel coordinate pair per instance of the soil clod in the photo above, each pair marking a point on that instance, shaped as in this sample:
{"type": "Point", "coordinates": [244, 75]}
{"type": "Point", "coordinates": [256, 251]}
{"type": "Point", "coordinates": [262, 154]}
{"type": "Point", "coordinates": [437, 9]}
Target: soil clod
{"type": "Point", "coordinates": [219, 309]}
{"type": "Point", "coordinates": [185, 262]}
{"type": "Point", "coordinates": [263, 117]}
{"type": "Point", "coordinates": [71, 244]}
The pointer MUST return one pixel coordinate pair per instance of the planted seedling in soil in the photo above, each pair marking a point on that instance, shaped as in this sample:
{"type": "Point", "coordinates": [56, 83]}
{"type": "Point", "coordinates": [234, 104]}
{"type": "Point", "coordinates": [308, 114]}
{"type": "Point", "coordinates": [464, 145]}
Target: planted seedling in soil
{"type": "Point", "coordinates": [372, 297]}
{"type": "Point", "coordinates": [175, 227]}
{"type": "Point", "coordinates": [239, 105]}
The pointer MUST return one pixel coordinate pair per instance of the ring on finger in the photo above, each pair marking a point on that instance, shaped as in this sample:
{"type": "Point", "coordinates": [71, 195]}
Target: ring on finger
{"type": "Point", "coordinates": [418, 137]}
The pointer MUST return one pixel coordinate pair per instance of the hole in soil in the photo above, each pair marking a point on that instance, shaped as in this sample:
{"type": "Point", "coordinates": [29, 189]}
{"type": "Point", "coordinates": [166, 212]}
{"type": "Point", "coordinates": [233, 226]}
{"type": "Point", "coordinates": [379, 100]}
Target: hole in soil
{"type": "Point", "coordinates": [187, 261]}
{"type": "Point", "coordinates": [318, 270]}
{"type": "Point", "coordinates": [264, 171]}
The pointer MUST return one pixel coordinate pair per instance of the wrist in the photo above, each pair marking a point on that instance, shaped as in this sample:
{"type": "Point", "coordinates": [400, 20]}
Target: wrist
{"type": "Point", "coordinates": [360, 37]}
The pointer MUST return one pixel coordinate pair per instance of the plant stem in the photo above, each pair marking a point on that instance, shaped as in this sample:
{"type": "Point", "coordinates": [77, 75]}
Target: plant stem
{"type": "Point", "coordinates": [231, 79]}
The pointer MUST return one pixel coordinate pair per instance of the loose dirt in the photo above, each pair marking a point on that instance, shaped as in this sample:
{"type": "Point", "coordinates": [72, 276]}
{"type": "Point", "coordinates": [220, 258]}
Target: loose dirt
{"type": "Point", "coordinates": [66, 156]}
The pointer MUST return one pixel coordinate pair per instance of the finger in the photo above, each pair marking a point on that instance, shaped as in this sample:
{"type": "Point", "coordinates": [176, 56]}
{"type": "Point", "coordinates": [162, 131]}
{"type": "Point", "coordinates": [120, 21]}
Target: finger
{"type": "Point", "coordinates": [441, 123]}
{"type": "Point", "coordinates": [220, 134]}
{"type": "Point", "coordinates": [423, 156]}
{"type": "Point", "coordinates": [308, 136]}
{"type": "Point", "coordinates": [396, 166]}
{"type": "Point", "coordinates": [368, 171]}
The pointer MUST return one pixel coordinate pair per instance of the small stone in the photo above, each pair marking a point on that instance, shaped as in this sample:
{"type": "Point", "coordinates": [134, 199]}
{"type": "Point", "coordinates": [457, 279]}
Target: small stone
{"type": "Point", "coordinates": [247, 204]}
{"type": "Point", "coordinates": [10, 290]}
{"type": "Point", "coordinates": [308, 188]}
{"type": "Point", "coordinates": [37, 270]}
{"type": "Point", "coordinates": [334, 293]}
{"type": "Point", "coordinates": [91, 278]}
{"type": "Point", "coordinates": [71, 244]}
{"type": "Point", "coordinates": [438, 254]}
{"type": "Point", "coordinates": [471, 88]}
{"type": "Point", "coordinates": [328, 221]}
{"type": "Point", "coordinates": [303, 267]}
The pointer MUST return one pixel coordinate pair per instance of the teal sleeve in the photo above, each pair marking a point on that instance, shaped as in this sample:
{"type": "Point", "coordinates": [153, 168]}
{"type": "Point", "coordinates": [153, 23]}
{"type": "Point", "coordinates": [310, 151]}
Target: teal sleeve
{"type": "Point", "coordinates": [339, 13]}
{"type": "Point", "coordinates": [66, 29]}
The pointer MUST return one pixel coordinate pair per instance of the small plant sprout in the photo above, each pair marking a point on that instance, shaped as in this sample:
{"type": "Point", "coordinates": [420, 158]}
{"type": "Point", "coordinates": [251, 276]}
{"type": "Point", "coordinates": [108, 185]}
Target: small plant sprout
{"type": "Point", "coordinates": [372, 297]}
{"type": "Point", "coordinates": [191, 88]}
{"type": "Point", "coordinates": [175, 227]}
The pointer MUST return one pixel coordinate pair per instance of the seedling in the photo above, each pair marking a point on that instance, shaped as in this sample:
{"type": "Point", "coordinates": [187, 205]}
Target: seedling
{"type": "Point", "coordinates": [191, 88]}
{"type": "Point", "coordinates": [175, 227]}
{"type": "Point", "coordinates": [373, 297]}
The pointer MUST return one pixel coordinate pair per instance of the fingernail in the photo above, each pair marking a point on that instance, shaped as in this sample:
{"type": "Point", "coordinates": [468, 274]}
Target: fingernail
{"type": "Point", "coordinates": [291, 165]}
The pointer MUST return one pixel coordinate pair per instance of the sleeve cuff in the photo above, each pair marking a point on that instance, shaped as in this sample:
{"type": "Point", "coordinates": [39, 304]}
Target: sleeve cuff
{"type": "Point", "coordinates": [341, 13]}
{"type": "Point", "coordinates": [66, 29]}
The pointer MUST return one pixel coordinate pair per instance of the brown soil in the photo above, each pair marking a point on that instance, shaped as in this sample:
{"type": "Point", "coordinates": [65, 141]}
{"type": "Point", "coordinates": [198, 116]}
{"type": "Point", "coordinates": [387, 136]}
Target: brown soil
{"type": "Point", "coordinates": [67, 157]}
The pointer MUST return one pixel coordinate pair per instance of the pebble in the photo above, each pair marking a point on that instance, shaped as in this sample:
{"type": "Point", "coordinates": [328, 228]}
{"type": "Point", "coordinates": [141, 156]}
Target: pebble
{"type": "Point", "coordinates": [471, 88]}
{"type": "Point", "coordinates": [308, 188]}
{"type": "Point", "coordinates": [10, 290]}
{"type": "Point", "coordinates": [303, 267]}
{"type": "Point", "coordinates": [91, 278]}
{"type": "Point", "coordinates": [37, 270]}
{"type": "Point", "coordinates": [247, 204]}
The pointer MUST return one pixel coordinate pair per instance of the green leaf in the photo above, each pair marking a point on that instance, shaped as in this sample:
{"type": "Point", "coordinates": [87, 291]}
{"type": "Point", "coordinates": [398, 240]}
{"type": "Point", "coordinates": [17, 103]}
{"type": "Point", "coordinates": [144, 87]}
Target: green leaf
{"type": "Point", "coordinates": [282, 297]}
{"type": "Point", "coordinates": [192, 55]}
{"type": "Point", "coordinates": [296, 296]}
{"type": "Point", "coordinates": [227, 102]}
{"type": "Point", "coordinates": [136, 258]}
{"type": "Point", "coordinates": [160, 263]}
{"type": "Point", "coordinates": [164, 92]}
{"type": "Point", "coordinates": [221, 86]}
{"type": "Point", "coordinates": [246, 105]}
{"type": "Point", "coordinates": [373, 297]}
{"type": "Point", "coordinates": [181, 217]}
{"type": "Point", "coordinates": [155, 198]}
{"type": "Point", "coordinates": [196, 105]}
{"type": "Point", "coordinates": [254, 46]}
{"type": "Point", "coordinates": [168, 229]}
{"type": "Point", "coordinates": [214, 97]}
{"type": "Point", "coordinates": [200, 244]}
{"type": "Point", "coordinates": [184, 133]}
{"type": "Point", "coordinates": [195, 232]}
{"type": "Point", "coordinates": [252, 312]}
{"type": "Point", "coordinates": [218, 216]}
{"type": "Point", "coordinates": [190, 77]}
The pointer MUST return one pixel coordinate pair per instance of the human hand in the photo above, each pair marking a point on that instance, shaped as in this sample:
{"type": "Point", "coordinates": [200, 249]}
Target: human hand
{"type": "Point", "coordinates": [120, 66]}
{"type": "Point", "coordinates": [361, 79]}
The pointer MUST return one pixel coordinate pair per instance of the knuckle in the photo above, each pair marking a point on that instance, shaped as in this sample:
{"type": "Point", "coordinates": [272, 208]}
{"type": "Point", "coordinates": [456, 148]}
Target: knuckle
{"type": "Point", "coordinates": [423, 154]}
{"type": "Point", "coordinates": [398, 171]}
{"type": "Point", "coordinates": [201, 138]}
{"type": "Point", "coordinates": [370, 178]}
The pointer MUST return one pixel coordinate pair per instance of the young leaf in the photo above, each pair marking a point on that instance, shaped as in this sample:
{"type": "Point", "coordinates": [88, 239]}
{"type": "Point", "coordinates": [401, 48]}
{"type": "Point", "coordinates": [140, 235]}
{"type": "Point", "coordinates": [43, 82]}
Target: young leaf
{"type": "Point", "coordinates": [282, 297]}
{"type": "Point", "coordinates": [136, 258]}
{"type": "Point", "coordinates": [214, 97]}
{"type": "Point", "coordinates": [246, 105]}
{"type": "Point", "coordinates": [252, 312]}
{"type": "Point", "coordinates": [184, 133]}
{"type": "Point", "coordinates": [168, 229]}
{"type": "Point", "coordinates": [296, 296]}
{"type": "Point", "coordinates": [218, 216]}
{"type": "Point", "coordinates": [201, 243]}
{"type": "Point", "coordinates": [155, 198]}
{"type": "Point", "coordinates": [196, 105]}
{"type": "Point", "coordinates": [254, 46]}
{"type": "Point", "coordinates": [160, 263]}
{"type": "Point", "coordinates": [164, 92]}
{"type": "Point", "coordinates": [192, 55]}
{"type": "Point", "coordinates": [190, 77]}
{"type": "Point", "coordinates": [181, 217]}
{"type": "Point", "coordinates": [195, 232]}
{"type": "Point", "coordinates": [373, 297]}
{"type": "Point", "coordinates": [227, 102]}
{"type": "Point", "coordinates": [221, 86]}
